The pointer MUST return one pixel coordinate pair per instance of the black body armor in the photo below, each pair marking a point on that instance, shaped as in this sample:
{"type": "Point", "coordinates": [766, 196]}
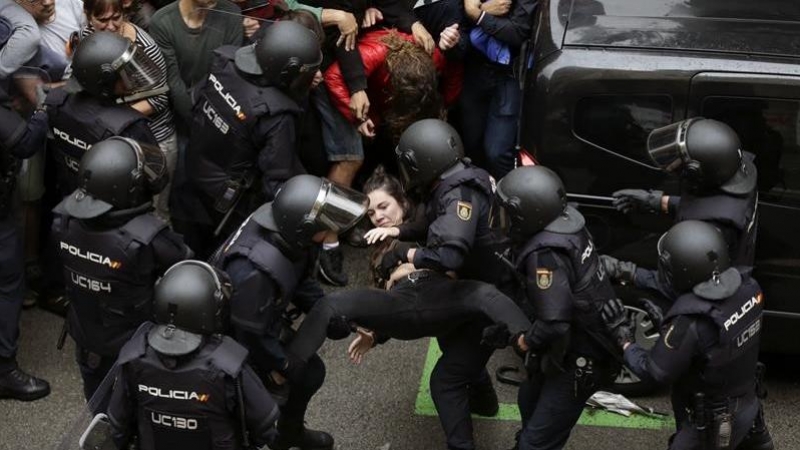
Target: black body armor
{"type": "Point", "coordinates": [109, 276]}
{"type": "Point", "coordinates": [77, 122]}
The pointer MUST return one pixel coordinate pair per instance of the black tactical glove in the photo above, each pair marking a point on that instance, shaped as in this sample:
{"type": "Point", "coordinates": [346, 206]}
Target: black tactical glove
{"type": "Point", "coordinates": [616, 319]}
{"type": "Point", "coordinates": [617, 270]}
{"type": "Point", "coordinates": [628, 200]}
{"type": "Point", "coordinates": [496, 336]}
{"type": "Point", "coordinates": [654, 311]}
{"type": "Point", "coordinates": [339, 328]}
{"type": "Point", "coordinates": [394, 257]}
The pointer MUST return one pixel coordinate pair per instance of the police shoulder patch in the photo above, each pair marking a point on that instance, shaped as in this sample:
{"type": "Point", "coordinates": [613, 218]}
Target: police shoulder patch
{"type": "Point", "coordinates": [464, 210]}
{"type": "Point", "coordinates": [544, 278]}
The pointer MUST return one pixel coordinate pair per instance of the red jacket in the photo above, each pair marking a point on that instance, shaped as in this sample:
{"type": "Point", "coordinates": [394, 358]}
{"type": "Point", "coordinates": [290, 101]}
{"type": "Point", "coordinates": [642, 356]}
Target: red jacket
{"type": "Point", "coordinates": [373, 53]}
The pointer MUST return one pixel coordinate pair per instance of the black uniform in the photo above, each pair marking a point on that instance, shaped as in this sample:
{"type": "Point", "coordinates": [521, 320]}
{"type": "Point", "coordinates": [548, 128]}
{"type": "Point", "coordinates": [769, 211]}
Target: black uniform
{"type": "Point", "coordinates": [709, 347]}
{"type": "Point", "coordinates": [736, 216]}
{"type": "Point", "coordinates": [459, 239]}
{"type": "Point", "coordinates": [242, 150]}
{"type": "Point", "coordinates": [109, 271]}
{"type": "Point", "coordinates": [78, 121]}
{"type": "Point", "coordinates": [188, 401]}
{"type": "Point", "coordinates": [267, 276]}
{"type": "Point", "coordinates": [17, 142]}
{"type": "Point", "coordinates": [565, 289]}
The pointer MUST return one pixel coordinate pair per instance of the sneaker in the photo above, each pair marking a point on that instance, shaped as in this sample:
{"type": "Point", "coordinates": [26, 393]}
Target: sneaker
{"type": "Point", "coordinates": [29, 298]}
{"type": "Point", "coordinates": [483, 400]}
{"type": "Point", "coordinates": [304, 439]}
{"type": "Point", "coordinates": [19, 385]}
{"type": "Point", "coordinates": [331, 268]}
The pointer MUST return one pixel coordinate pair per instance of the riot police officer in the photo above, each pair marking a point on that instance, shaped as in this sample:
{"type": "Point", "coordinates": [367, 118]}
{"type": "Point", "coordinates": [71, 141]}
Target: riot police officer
{"type": "Point", "coordinates": [458, 237]}
{"type": "Point", "coordinates": [16, 141]}
{"type": "Point", "coordinates": [708, 349]}
{"type": "Point", "coordinates": [269, 261]}
{"type": "Point", "coordinates": [243, 136]}
{"type": "Point", "coordinates": [564, 288]}
{"type": "Point", "coordinates": [182, 384]}
{"type": "Point", "coordinates": [112, 248]}
{"type": "Point", "coordinates": [719, 182]}
{"type": "Point", "coordinates": [108, 70]}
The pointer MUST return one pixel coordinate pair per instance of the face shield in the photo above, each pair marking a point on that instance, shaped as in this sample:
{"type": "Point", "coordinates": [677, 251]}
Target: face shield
{"type": "Point", "coordinates": [407, 162]}
{"type": "Point", "coordinates": [509, 215]}
{"type": "Point", "coordinates": [338, 208]}
{"type": "Point", "coordinates": [137, 72]}
{"type": "Point", "coordinates": [301, 84]}
{"type": "Point", "coordinates": [151, 166]}
{"type": "Point", "coordinates": [667, 145]}
{"type": "Point", "coordinates": [664, 263]}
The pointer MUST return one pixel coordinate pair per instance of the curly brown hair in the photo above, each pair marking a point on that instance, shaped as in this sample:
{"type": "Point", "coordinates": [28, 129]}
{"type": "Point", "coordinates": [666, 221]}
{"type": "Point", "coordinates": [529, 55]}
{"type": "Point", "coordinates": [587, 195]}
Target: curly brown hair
{"type": "Point", "coordinates": [414, 92]}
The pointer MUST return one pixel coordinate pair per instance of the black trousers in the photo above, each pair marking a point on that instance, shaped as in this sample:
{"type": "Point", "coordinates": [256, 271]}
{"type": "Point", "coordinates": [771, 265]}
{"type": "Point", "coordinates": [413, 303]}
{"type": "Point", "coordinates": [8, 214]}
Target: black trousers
{"type": "Point", "coordinates": [11, 288]}
{"type": "Point", "coordinates": [434, 305]}
{"type": "Point", "coordinates": [743, 410]}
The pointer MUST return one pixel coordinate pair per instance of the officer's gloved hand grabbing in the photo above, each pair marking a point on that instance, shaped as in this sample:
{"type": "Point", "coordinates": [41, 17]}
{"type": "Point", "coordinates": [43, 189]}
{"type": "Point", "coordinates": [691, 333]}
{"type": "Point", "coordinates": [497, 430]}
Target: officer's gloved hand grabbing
{"type": "Point", "coordinates": [622, 271]}
{"type": "Point", "coordinates": [497, 336]}
{"type": "Point", "coordinates": [394, 257]}
{"type": "Point", "coordinates": [628, 200]}
{"type": "Point", "coordinates": [339, 328]}
{"type": "Point", "coordinates": [616, 319]}
{"type": "Point", "coordinates": [654, 311]}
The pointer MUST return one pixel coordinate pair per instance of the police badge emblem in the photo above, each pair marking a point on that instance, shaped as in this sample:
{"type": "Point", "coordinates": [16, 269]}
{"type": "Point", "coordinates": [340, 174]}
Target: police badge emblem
{"type": "Point", "coordinates": [544, 278]}
{"type": "Point", "coordinates": [464, 211]}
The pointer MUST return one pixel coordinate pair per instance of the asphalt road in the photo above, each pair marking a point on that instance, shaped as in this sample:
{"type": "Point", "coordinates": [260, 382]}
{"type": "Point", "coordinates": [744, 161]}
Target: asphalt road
{"type": "Point", "coordinates": [379, 405]}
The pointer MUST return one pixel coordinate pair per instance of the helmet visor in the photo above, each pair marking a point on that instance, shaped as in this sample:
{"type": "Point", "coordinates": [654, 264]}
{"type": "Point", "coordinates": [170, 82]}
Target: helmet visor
{"type": "Point", "coordinates": [407, 162]}
{"type": "Point", "coordinates": [667, 145]}
{"type": "Point", "coordinates": [305, 76]}
{"type": "Point", "coordinates": [137, 71]}
{"type": "Point", "coordinates": [338, 208]}
{"type": "Point", "coordinates": [664, 264]}
{"type": "Point", "coordinates": [152, 165]}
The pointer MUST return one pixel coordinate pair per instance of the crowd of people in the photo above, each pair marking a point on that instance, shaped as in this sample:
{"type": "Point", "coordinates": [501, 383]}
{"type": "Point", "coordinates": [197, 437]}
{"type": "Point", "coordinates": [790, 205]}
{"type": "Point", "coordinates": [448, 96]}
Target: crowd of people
{"type": "Point", "coordinates": [183, 174]}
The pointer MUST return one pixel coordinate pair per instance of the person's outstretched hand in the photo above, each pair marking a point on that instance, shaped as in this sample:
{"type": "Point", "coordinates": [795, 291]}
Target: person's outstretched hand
{"type": "Point", "coordinates": [359, 346]}
{"type": "Point", "coordinates": [380, 234]}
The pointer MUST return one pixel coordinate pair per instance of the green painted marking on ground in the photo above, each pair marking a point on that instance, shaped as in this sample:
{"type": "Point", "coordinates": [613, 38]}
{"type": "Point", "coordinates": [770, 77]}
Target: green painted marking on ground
{"type": "Point", "coordinates": [508, 411]}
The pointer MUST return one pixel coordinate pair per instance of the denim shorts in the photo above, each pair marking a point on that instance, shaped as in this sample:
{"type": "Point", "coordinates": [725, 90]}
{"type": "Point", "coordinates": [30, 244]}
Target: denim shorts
{"type": "Point", "coordinates": [340, 138]}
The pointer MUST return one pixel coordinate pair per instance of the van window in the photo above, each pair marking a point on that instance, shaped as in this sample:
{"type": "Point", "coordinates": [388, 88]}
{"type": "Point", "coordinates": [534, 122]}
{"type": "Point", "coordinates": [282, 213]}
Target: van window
{"type": "Point", "coordinates": [769, 128]}
{"type": "Point", "coordinates": [621, 123]}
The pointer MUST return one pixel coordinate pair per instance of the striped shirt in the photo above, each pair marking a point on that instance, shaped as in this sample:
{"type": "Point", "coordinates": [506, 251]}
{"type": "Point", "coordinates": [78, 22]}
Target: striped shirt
{"type": "Point", "coordinates": [161, 122]}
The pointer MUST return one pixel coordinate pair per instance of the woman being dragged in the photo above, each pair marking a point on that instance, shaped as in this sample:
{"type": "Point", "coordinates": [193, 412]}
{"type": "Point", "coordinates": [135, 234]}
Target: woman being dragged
{"type": "Point", "coordinates": [408, 303]}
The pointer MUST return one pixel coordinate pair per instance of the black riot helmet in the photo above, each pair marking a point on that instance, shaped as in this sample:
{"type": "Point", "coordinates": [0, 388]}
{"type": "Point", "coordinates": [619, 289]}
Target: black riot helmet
{"type": "Point", "coordinates": [707, 152]}
{"type": "Point", "coordinates": [117, 174]}
{"type": "Point", "coordinates": [693, 256]}
{"type": "Point", "coordinates": [286, 56]}
{"type": "Point", "coordinates": [108, 65]}
{"type": "Point", "coordinates": [426, 150]}
{"type": "Point", "coordinates": [534, 199]}
{"type": "Point", "coordinates": [190, 301]}
{"type": "Point", "coordinates": [306, 205]}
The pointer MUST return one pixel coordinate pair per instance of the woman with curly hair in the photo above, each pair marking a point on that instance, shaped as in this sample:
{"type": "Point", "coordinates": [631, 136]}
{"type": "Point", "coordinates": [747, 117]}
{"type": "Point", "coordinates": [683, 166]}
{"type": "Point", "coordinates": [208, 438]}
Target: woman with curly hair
{"type": "Point", "coordinates": [404, 83]}
{"type": "Point", "coordinates": [469, 318]}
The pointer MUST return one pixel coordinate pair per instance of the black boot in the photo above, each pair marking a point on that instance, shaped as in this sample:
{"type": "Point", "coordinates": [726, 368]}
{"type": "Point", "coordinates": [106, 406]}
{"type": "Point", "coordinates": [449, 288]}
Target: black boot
{"type": "Point", "coordinates": [483, 399]}
{"type": "Point", "coordinates": [301, 437]}
{"type": "Point", "coordinates": [19, 385]}
{"type": "Point", "coordinates": [758, 438]}
{"type": "Point", "coordinates": [331, 267]}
